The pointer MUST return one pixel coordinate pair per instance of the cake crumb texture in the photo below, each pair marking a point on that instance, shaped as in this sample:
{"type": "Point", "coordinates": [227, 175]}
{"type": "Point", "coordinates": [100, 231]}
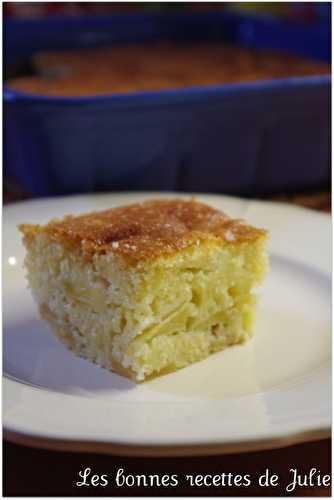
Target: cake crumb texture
{"type": "Point", "coordinates": [148, 288]}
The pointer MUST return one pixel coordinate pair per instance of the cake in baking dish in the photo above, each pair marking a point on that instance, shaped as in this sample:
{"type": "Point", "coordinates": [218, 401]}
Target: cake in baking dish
{"type": "Point", "coordinates": [147, 288]}
{"type": "Point", "coordinates": [159, 66]}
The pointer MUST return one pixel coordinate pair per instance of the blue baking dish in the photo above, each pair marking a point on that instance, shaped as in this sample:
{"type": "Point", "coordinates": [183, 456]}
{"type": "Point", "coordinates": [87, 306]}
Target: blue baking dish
{"type": "Point", "coordinates": [246, 139]}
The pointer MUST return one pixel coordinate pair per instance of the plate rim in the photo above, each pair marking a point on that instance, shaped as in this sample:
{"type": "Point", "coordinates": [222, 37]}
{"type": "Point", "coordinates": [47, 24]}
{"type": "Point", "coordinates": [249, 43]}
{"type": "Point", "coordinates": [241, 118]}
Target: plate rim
{"type": "Point", "coordinates": [148, 451]}
{"type": "Point", "coordinates": [165, 194]}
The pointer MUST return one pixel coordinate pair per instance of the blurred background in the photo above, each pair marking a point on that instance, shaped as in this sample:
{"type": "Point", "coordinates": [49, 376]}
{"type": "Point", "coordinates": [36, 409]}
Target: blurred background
{"type": "Point", "coordinates": [309, 12]}
{"type": "Point", "coordinates": [245, 111]}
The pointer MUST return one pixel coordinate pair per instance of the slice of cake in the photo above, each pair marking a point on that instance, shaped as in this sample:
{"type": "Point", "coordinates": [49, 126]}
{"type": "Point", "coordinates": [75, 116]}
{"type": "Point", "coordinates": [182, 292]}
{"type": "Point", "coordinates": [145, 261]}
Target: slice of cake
{"type": "Point", "coordinates": [147, 288]}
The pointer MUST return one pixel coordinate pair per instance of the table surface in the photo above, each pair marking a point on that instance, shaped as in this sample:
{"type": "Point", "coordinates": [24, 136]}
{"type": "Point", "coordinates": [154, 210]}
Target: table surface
{"type": "Point", "coordinates": [30, 472]}
{"type": "Point", "coordinates": [33, 472]}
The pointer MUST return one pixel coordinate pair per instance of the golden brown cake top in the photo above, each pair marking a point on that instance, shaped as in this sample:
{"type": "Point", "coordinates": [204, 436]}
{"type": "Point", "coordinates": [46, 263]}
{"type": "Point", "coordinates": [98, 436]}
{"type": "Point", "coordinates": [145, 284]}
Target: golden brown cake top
{"type": "Point", "coordinates": [146, 230]}
{"type": "Point", "coordinates": [153, 67]}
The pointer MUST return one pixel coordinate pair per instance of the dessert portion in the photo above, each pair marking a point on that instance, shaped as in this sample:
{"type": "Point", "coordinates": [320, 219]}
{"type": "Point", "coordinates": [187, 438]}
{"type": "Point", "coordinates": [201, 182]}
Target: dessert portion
{"type": "Point", "coordinates": [147, 288]}
{"type": "Point", "coordinates": [159, 66]}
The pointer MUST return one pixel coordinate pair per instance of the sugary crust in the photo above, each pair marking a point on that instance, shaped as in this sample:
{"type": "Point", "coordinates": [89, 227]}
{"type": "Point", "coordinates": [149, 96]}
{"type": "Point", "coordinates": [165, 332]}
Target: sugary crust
{"type": "Point", "coordinates": [146, 230]}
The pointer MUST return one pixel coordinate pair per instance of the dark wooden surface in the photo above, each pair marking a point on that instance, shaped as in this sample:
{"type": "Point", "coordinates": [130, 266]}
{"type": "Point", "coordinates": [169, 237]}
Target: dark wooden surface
{"type": "Point", "coordinates": [33, 472]}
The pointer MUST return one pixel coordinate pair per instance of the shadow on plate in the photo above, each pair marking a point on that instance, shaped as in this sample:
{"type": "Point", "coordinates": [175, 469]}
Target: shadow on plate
{"type": "Point", "coordinates": [32, 355]}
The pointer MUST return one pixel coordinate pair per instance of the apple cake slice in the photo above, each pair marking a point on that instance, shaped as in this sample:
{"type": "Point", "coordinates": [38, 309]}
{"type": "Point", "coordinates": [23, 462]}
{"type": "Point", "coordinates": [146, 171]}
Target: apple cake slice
{"type": "Point", "coordinates": [147, 288]}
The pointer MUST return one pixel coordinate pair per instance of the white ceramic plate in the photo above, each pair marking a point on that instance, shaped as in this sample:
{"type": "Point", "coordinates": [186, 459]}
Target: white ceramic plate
{"type": "Point", "coordinates": [270, 392]}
